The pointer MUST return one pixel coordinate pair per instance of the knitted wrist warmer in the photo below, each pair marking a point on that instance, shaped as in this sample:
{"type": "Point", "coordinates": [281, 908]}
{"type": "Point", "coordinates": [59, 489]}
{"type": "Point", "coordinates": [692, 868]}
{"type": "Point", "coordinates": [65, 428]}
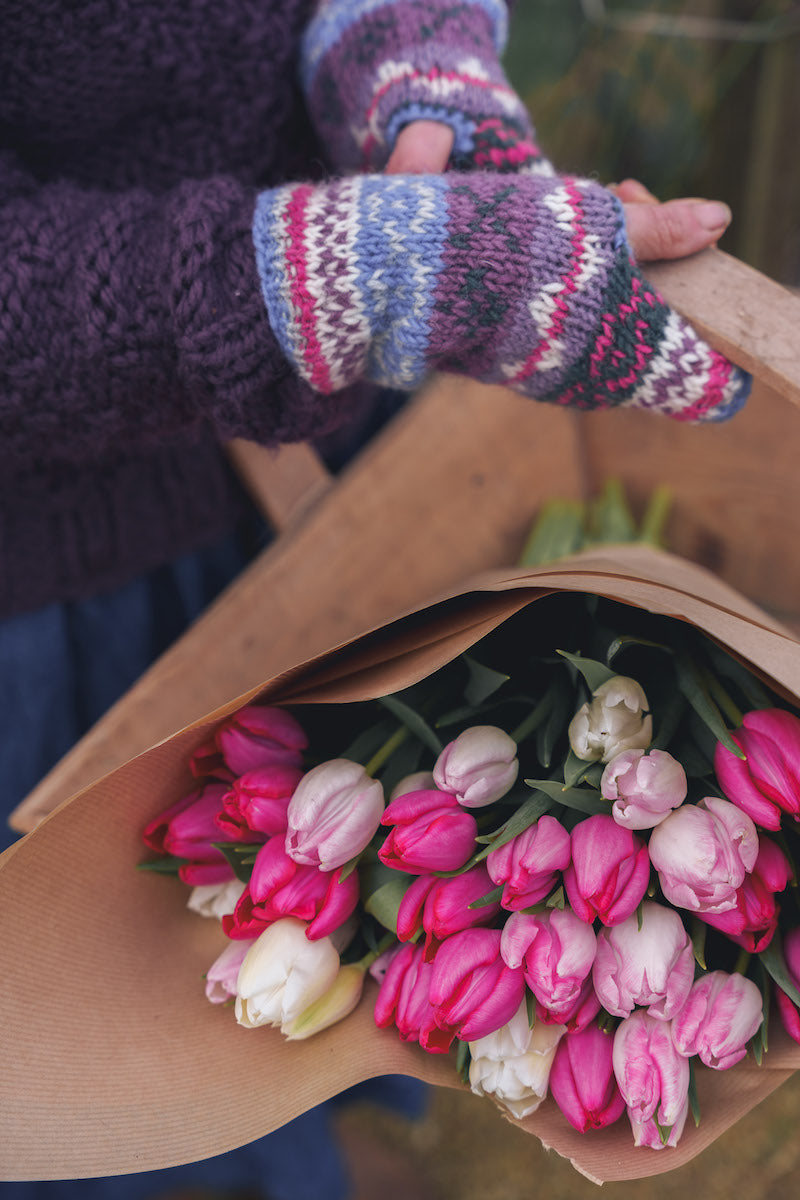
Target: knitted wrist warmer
{"type": "Point", "coordinates": [525, 281]}
{"type": "Point", "coordinates": [369, 67]}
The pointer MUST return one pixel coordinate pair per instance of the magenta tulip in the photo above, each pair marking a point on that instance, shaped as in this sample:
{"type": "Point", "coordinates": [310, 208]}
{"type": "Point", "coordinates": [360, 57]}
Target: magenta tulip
{"type": "Point", "coordinates": [333, 814]}
{"type": "Point", "coordinates": [718, 1019]}
{"type": "Point", "coordinates": [649, 965]}
{"type": "Point", "coordinates": [189, 829]}
{"type": "Point", "coordinates": [478, 767]}
{"type": "Point", "coordinates": [279, 887]}
{"type": "Point", "coordinates": [529, 864]}
{"type": "Point", "coordinates": [582, 1080]}
{"type": "Point", "coordinates": [404, 1001]}
{"type": "Point", "coordinates": [258, 801]}
{"type": "Point", "coordinates": [644, 787]}
{"type": "Point", "coordinates": [441, 907]}
{"type": "Point", "coordinates": [754, 919]}
{"type": "Point", "coordinates": [609, 872]}
{"type": "Point", "coordinates": [473, 992]}
{"type": "Point", "coordinates": [258, 736]}
{"type": "Point", "coordinates": [766, 784]}
{"type": "Point", "coordinates": [652, 1076]}
{"type": "Point", "coordinates": [555, 950]}
{"type": "Point", "coordinates": [789, 1014]}
{"type": "Point", "coordinates": [430, 832]}
{"type": "Point", "coordinates": [702, 853]}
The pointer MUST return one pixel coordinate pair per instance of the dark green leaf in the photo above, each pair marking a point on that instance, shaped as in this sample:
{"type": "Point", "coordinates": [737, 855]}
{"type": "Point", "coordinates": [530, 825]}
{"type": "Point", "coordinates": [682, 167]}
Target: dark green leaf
{"type": "Point", "coordinates": [774, 962]}
{"type": "Point", "coordinates": [693, 687]}
{"type": "Point", "coordinates": [595, 673]}
{"type": "Point", "coordinates": [413, 721]}
{"type": "Point", "coordinates": [384, 903]}
{"type": "Point", "coordinates": [751, 687]}
{"type": "Point", "coordinates": [463, 1059]}
{"type": "Point", "coordinates": [530, 1007]}
{"type": "Point", "coordinates": [622, 642]}
{"type": "Point", "coordinates": [168, 865]}
{"type": "Point", "coordinates": [561, 700]}
{"type": "Point", "coordinates": [575, 769]}
{"type": "Point", "coordinates": [663, 1131]}
{"type": "Point", "coordinates": [698, 936]}
{"type": "Point", "coordinates": [405, 761]}
{"type": "Point", "coordinates": [369, 741]}
{"type": "Point", "coordinates": [694, 1103]}
{"type": "Point", "coordinates": [527, 814]}
{"type": "Point", "coordinates": [483, 681]}
{"type": "Point", "coordinates": [556, 899]}
{"type": "Point", "coordinates": [240, 858]}
{"type": "Point", "coordinates": [584, 800]}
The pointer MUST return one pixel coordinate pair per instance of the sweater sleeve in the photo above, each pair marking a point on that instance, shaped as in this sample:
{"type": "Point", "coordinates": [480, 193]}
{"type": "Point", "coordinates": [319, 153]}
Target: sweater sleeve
{"type": "Point", "coordinates": [134, 316]}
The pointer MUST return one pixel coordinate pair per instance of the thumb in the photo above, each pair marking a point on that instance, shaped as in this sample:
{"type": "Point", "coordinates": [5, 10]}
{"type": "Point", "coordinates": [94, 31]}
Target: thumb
{"type": "Point", "coordinates": [422, 148]}
{"type": "Point", "coordinates": [674, 229]}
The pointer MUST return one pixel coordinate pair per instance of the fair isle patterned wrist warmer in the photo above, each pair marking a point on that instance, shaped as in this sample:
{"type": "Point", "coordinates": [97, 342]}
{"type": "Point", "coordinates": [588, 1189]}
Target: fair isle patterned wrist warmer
{"type": "Point", "coordinates": [524, 281]}
{"type": "Point", "coordinates": [369, 67]}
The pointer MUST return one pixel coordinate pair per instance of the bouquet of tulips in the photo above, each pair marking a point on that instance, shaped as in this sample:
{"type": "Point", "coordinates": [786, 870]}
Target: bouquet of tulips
{"type": "Point", "coordinates": [568, 855]}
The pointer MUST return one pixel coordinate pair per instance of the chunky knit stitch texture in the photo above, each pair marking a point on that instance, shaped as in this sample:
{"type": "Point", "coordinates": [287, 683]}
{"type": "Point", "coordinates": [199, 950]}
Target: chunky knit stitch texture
{"type": "Point", "coordinates": [134, 138]}
{"type": "Point", "coordinates": [370, 67]}
{"type": "Point", "coordinates": [527, 282]}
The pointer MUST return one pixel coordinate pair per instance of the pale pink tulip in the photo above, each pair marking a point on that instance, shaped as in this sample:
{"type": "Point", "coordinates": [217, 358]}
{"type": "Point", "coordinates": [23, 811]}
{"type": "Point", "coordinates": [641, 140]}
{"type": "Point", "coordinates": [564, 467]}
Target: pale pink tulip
{"type": "Point", "coordinates": [478, 767]}
{"type": "Point", "coordinates": [644, 787]}
{"type": "Point", "coordinates": [555, 950]}
{"type": "Point", "coordinates": [754, 919]}
{"type": "Point", "coordinates": [332, 816]}
{"type": "Point", "coordinates": [652, 1076]}
{"type": "Point", "coordinates": [224, 971]}
{"type": "Point", "coordinates": [718, 1019]}
{"type": "Point", "coordinates": [650, 967]}
{"type": "Point", "coordinates": [702, 853]}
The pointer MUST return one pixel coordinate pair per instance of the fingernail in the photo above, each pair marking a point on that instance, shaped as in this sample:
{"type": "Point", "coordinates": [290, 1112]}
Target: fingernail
{"type": "Point", "coordinates": [713, 215]}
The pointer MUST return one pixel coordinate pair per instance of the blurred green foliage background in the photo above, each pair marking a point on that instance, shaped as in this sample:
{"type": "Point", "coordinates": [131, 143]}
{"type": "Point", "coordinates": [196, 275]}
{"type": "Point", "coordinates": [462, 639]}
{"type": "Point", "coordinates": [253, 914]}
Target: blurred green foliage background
{"type": "Point", "coordinates": [693, 97]}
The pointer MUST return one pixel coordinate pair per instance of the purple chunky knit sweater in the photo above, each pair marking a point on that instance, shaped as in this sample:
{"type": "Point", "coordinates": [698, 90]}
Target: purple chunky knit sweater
{"type": "Point", "coordinates": [134, 137]}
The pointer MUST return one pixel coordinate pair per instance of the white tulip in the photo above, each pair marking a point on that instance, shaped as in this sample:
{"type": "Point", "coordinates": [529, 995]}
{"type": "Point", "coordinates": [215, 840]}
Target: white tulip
{"type": "Point", "coordinates": [512, 1065]}
{"type": "Point", "coordinates": [283, 974]}
{"type": "Point", "coordinates": [613, 721]}
{"type": "Point", "coordinates": [216, 900]}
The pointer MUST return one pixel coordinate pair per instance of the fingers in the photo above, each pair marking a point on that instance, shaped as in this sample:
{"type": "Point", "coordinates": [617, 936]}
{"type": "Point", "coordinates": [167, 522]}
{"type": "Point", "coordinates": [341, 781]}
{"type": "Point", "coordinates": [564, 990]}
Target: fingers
{"type": "Point", "coordinates": [673, 229]}
{"type": "Point", "coordinates": [422, 148]}
{"type": "Point", "coordinates": [630, 191]}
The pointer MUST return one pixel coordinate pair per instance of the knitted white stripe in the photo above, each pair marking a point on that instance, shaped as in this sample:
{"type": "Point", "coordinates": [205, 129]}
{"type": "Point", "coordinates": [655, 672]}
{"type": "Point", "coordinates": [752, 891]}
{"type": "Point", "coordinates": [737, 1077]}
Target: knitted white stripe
{"type": "Point", "coordinates": [689, 373]}
{"type": "Point", "coordinates": [271, 255]}
{"type": "Point", "coordinates": [341, 326]}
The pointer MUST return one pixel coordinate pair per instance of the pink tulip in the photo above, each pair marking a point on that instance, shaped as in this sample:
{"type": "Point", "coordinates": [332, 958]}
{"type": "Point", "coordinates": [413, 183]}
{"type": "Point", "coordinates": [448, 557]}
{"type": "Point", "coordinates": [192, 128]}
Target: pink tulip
{"type": "Point", "coordinates": [651, 967]}
{"type": "Point", "coordinates": [224, 971]}
{"type": "Point", "coordinates": [702, 853]}
{"type": "Point", "coordinates": [528, 865]}
{"type": "Point", "coordinates": [258, 801]}
{"type": "Point", "coordinates": [609, 873]}
{"type": "Point", "coordinates": [582, 1080]}
{"type": "Point", "coordinates": [753, 921]}
{"type": "Point", "coordinates": [652, 1076]}
{"type": "Point", "coordinates": [644, 787]}
{"type": "Point", "coordinates": [555, 951]}
{"type": "Point", "coordinates": [473, 992]}
{"type": "Point", "coordinates": [717, 1021]}
{"type": "Point", "coordinates": [767, 783]}
{"type": "Point", "coordinates": [257, 736]}
{"type": "Point", "coordinates": [188, 829]}
{"type": "Point", "coordinates": [478, 767]}
{"type": "Point", "coordinates": [404, 1001]}
{"type": "Point", "coordinates": [789, 1014]}
{"type": "Point", "coordinates": [431, 832]}
{"type": "Point", "coordinates": [333, 814]}
{"type": "Point", "coordinates": [441, 907]}
{"type": "Point", "coordinates": [279, 887]}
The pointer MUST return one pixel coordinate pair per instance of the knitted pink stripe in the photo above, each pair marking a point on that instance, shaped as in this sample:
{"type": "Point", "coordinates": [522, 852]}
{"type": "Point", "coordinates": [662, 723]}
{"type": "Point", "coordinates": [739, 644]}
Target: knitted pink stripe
{"type": "Point", "coordinates": [718, 379]}
{"type": "Point", "coordinates": [569, 288]}
{"type": "Point", "coordinates": [317, 370]}
{"type": "Point", "coordinates": [414, 74]}
{"type": "Point", "coordinates": [643, 351]}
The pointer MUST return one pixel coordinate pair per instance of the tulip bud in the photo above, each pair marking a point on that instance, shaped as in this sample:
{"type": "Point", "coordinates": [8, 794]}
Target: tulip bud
{"type": "Point", "coordinates": [613, 721]}
{"type": "Point", "coordinates": [767, 783]}
{"type": "Point", "coordinates": [189, 830]}
{"type": "Point", "coordinates": [718, 1019]}
{"type": "Point", "coordinates": [512, 1065]}
{"type": "Point", "coordinates": [333, 814]}
{"type": "Point", "coordinates": [215, 900]}
{"type": "Point", "coordinates": [431, 832]}
{"type": "Point", "coordinates": [442, 906]}
{"type": "Point", "coordinates": [652, 1076]}
{"type": "Point", "coordinates": [702, 853]}
{"type": "Point", "coordinates": [582, 1080]}
{"type": "Point", "coordinates": [478, 767]}
{"type": "Point", "coordinates": [419, 781]}
{"type": "Point", "coordinates": [283, 974]}
{"type": "Point", "coordinates": [789, 1014]}
{"type": "Point", "coordinates": [404, 1000]}
{"type": "Point", "coordinates": [649, 964]}
{"type": "Point", "coordinates": [258, 801]}
{"type": "Point", "coordinates": [223, 973]}
{"type": "Point", "coordinates": [609, 872]}
{"type": "Point", "coordinates": [473, 992]}
{"type": "Point", "coordinates": [754, 919]}
{"type": "Point", "coordinates": [644, 787]}
{"type": "Point", "coordinates": [528, 865]}
{"type": "Point", "coordinates": [555, 951]}
{"type": "Point", "coordinates": [257, 736]}
{"type": "Point", "coordinates": [337, 1003]}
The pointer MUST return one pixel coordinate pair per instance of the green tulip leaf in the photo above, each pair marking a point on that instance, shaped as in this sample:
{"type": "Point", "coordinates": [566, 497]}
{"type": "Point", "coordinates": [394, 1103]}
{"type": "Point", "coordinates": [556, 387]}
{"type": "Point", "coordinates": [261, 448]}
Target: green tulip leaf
{"type": "Point", "coordinates": [595, 673]}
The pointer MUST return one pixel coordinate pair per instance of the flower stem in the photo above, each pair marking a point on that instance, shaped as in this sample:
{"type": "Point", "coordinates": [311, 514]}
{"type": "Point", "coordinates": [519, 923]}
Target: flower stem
{"type": "Point", "coordinates": [369, 958]}
{"type": "Point", "coordinates": [742, 962]}
{"type": "Point", "coordinates": [386, 750]}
